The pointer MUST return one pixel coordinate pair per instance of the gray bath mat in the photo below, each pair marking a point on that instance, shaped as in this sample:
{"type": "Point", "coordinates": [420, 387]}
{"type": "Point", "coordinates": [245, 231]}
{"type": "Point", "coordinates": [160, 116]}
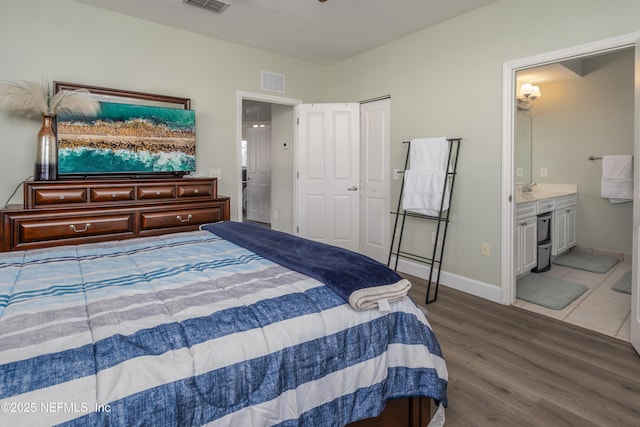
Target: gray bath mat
{"type": "Point", "coordinates": [588, 262]}
{"type": "Point", "coordinates": [623, 284]}
{"type": "Point", "coordinates": [547, 291]}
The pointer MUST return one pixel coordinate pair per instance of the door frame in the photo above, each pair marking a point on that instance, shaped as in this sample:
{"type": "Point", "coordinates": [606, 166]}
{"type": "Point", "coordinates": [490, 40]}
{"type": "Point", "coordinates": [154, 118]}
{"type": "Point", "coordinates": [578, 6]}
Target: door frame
{"type": "Point", "coordinates": [251, 96]}
{"type": "Point", "coordinates": [509, 69]}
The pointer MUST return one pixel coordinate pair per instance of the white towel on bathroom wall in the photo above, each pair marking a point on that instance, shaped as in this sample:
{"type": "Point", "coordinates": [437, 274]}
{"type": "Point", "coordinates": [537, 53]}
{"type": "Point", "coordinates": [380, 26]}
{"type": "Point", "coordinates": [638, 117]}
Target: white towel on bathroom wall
{"type": "Point", "coordinates": [429, 153]}
{"type": "Point", "coordinates": [617, 178]}
{"type": "Point", "coordinates": [423, 192]}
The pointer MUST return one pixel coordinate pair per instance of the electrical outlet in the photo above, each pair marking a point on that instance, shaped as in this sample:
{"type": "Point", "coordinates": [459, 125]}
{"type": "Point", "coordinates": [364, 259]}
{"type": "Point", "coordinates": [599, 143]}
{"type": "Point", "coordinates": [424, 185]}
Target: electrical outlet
{"type": "Point", "coordinates": [396, 174]}
{"type": "Point", "coordinates": [543, 172]}
{"type": "Point", "coordinates": [486, 249]}
{"type": "Point", "coordinates": [520, 172]}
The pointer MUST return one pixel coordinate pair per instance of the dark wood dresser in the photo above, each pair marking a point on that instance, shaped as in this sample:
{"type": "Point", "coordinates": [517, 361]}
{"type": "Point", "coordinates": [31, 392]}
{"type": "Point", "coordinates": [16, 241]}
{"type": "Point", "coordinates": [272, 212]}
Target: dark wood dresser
{"type": "Point", "coordinates": [65, 212]}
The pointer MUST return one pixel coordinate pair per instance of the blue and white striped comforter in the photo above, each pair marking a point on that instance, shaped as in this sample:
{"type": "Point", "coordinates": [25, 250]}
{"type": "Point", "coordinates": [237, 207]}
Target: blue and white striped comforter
{"type": "Point", "coordinates": [189, 329]}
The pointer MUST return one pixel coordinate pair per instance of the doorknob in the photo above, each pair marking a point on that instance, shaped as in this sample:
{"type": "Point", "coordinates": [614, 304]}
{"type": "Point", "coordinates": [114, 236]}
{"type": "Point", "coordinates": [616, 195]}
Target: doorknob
{"type": "Point", "coordinates": [354, 188]}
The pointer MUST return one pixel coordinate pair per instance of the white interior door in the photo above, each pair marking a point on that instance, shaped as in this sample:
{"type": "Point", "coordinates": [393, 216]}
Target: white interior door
{"type": "Point", "coordinates": [375, 176]}
{"type": "Point", "coordinates": [328, 162]}
{"type": "Point", "coordinates": [635, 263]}
{"type": "Point", "coordinates": [259, 174]}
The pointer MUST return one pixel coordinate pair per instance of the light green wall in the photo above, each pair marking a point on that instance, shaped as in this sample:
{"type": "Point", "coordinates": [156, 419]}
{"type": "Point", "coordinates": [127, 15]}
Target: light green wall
{"type": "Point", "coordinates": [67, 41]}
{"type": "Point", "coordinates": [447, 81]}
{"type": "Point", "coordinates": [444, 80]}
{"type": "Point", "coordinates": [577, 118]}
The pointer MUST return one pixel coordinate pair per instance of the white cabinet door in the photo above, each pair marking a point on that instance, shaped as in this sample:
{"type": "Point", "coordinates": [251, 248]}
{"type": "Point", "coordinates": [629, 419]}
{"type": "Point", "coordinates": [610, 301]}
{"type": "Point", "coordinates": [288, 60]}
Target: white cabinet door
{"type": "Point", "coordinates": [559, 239]}
{"type": "Point", "coordinates": [529, 243]}
{"type": "Point", "coordinates": [526, 233]}
{"type": "Point", "coordinates": [564, 230]}
{"type": "Point", "coordinates": [572, 239]}
{"type": "Point", "coordinates": [517, 258]}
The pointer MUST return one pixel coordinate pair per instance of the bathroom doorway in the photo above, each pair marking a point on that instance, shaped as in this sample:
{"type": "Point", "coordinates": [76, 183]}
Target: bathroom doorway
{"type": "Point", "coordinates": [558, 167]}
{"type": "Point", "coordinates": [585, 111]}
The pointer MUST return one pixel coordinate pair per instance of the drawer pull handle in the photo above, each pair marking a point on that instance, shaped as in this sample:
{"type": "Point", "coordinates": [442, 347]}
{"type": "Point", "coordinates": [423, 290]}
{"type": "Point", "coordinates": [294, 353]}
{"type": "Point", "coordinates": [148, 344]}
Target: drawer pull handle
{"type": "Point", "coordinates": [179, 218]}
{"type": "Point", "coordinates": [114, 195]}
{"type": "Point", "coordinates": [196, 191]}
{"type": "Point", "coordinates": [61, 197]}
{"type": "Point", "coordinates": [86, 227]}
{"type": "Point", "coordinates": [157, 193]}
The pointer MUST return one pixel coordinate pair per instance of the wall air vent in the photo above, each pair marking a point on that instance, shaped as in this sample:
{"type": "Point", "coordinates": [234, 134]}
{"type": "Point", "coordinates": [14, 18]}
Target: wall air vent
{"type": "Point", "coordinates": [272, 81]}
{"type": "Point", "coordinates": [217, 6]}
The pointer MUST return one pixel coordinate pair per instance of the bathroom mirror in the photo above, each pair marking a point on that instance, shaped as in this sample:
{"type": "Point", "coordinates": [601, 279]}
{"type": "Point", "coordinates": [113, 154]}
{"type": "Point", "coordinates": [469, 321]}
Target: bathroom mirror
{"type": "Point", "coordinates": [522, 147]}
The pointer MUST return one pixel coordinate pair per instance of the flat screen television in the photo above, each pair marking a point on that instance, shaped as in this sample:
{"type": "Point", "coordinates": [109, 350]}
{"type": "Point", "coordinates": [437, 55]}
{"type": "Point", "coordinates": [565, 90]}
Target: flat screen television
{"type": "Point", "coordinates": [127, 140]}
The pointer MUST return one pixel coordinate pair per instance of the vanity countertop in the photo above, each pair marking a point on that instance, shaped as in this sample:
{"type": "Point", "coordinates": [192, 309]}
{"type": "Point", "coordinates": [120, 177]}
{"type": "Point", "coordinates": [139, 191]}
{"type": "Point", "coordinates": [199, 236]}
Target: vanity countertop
{"type": "Point", "coordinates": [545, 191]}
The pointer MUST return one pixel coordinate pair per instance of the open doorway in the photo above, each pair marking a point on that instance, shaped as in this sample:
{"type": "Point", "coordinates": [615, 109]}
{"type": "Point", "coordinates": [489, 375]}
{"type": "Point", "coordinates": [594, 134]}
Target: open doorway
{"type": "Point", "coordinates": [265, 154]}
{"type": "Point", "coordinates": [256, 162]}
{"type": "Point", "coordinates": [584, 110]}
{"type": "Point", "coordinates": [509, 192]}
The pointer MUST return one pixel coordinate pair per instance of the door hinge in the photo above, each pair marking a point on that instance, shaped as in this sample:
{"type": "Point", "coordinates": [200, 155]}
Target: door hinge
{"type": "Point", "coordinates": [297, 120]}
{"type": "Point", "coordinates": [297, 175]}
{"type": "Point", "coordinates": [297, 229]}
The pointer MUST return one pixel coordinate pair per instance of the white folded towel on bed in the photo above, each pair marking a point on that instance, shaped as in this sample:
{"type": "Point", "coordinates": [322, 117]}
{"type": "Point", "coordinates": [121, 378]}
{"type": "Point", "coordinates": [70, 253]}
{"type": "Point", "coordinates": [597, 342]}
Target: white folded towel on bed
{"type": "Point", "coordinates": [617, 179]}
{"type": "Point", "coordinates": [379, 296]}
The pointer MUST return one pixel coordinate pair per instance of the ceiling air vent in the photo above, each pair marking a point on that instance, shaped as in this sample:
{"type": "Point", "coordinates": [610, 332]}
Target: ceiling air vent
{"type": "Point", "coordinates": [217, 6]}
{"type": "Point", "coordinates": [272, 81]}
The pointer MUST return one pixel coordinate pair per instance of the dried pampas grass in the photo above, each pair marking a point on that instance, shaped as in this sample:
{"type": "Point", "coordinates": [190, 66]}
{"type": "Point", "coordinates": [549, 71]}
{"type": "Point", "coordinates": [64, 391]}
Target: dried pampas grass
{"type": "Point", "coordinates": [34, 100]}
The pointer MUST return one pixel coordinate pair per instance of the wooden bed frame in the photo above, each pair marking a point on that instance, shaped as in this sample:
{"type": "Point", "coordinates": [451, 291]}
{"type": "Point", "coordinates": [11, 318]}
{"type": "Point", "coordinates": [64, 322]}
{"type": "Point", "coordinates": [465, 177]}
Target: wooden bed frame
{"type": "Point", "coordinates": [406, 412]}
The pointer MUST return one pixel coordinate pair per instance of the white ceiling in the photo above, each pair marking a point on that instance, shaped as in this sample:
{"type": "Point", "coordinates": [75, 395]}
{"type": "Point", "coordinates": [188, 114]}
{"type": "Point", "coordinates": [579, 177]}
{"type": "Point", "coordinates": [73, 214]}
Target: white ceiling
{"type": "Point", "coordinates": [309, 29]}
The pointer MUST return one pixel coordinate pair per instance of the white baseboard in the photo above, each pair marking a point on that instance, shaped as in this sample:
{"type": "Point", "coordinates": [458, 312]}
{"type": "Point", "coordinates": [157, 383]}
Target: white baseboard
{"type": "Point", "coordinates": [454, 281]}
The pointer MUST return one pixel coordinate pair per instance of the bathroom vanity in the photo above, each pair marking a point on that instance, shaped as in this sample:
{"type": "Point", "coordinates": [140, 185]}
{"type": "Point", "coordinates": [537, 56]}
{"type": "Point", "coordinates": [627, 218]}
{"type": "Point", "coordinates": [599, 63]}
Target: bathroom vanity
{"type": "Point", "coordinates": [558, 199]}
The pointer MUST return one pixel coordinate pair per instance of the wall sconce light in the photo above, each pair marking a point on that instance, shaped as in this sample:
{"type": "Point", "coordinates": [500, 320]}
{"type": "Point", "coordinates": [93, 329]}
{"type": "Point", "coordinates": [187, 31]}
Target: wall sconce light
{"type": "Point", "coordinates": [527, 95]}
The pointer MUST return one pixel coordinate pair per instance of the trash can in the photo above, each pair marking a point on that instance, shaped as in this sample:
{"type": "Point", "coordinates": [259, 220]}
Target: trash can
{"type": "Point", "coordinates": [544, 243]}
{"type": "Point", "coordinates": [544, 258]}
{"type": "Point", "coordinates": [544, 227]}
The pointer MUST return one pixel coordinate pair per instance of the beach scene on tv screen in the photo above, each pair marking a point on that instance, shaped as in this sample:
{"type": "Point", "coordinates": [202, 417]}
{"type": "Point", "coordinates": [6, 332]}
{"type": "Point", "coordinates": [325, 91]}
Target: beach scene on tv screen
{"type": "Point", "coordinates": [127, 138]}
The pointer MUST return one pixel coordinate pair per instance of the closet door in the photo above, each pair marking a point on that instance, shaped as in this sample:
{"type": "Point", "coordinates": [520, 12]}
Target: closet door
{"type": "Point", "coordinates": [328, 173]}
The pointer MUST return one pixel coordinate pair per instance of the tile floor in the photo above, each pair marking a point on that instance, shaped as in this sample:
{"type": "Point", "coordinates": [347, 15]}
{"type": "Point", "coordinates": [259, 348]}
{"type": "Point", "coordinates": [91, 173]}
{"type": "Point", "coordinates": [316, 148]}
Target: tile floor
{"type": "Point", "coordinates": [600, 308]}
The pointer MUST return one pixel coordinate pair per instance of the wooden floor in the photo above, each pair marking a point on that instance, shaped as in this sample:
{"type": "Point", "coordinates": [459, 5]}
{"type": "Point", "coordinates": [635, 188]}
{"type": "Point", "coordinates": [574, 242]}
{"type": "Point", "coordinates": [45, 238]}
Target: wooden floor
{"type": "Point", "coordinates": [511, 367]}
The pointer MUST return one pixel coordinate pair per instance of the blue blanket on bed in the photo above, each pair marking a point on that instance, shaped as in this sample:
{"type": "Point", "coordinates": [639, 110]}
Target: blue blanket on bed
{"type": "Point", "coordinates": [344, 271]}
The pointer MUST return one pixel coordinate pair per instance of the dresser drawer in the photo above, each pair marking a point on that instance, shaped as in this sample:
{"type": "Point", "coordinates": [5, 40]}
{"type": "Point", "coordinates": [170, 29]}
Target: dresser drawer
{"type": "Point", "coordinates": [195, 190]}
{"type": "Point", "coordinates": [44, 229]}
{"type": "Point", "coordinates": [180, 217]}
{"type": "Point", "coordinates": [60, 196]}
{"type": "Point", "coordinates": [115, 194]}
{"type": "Point", "coordinates": [156, 192]}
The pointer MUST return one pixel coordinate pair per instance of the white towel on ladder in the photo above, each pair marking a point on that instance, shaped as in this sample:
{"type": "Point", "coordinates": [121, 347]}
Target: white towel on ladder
{"type": "Point", "coordinates": [617, 179]}
{"type": "Point", "coordinates": [423, 192]}
{"type": "Point", "coordinates": [425, 180]}
{"type": "Point", "coordinates": [429, 154]}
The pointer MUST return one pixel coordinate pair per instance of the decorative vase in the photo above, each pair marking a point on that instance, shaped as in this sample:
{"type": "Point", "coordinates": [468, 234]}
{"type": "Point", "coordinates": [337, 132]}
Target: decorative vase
{"type": "Point", "coordinates": [46, 167]}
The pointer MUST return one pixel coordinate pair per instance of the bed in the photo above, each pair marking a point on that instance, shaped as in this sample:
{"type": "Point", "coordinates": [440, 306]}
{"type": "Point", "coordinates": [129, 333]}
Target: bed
{"type": "Point", "coordinates": [191, 329]}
